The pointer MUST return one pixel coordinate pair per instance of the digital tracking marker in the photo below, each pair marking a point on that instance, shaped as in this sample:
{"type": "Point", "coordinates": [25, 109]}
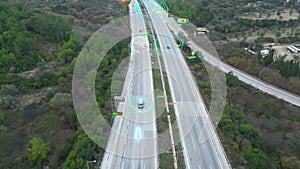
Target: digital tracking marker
{"type": "Point", "coordinates": [114, 113]}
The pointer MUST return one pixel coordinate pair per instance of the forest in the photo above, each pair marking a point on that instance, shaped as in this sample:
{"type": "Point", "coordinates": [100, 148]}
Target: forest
{"type": "Point", "coordinates": [37, 92]}
{"type": "Point", "coordinates": [31, 132]}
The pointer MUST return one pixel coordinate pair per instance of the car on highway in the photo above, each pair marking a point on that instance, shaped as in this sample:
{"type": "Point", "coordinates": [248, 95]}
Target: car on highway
{"type": "Point", "coordinates": [141, 103]}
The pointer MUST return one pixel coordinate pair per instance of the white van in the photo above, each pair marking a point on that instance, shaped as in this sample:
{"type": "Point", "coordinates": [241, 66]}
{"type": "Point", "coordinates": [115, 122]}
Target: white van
{"type": "Point", "coordinates": [141, 103]}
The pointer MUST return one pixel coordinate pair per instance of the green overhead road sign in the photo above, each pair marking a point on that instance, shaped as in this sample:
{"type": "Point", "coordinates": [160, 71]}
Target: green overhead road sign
{"type": "Point", "coordinates": [181, 20]}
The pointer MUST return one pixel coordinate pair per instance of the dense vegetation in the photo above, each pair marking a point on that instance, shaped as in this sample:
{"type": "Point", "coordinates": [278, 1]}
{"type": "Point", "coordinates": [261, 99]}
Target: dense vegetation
{"type": "Point", "coordinates": [199, 14]}
{"type": "Point", "coordinates": [38, 125]}
{"type": "Point", "coordinates": [32, 41]}
{"type": "Point", "coordinates": [21, 35]}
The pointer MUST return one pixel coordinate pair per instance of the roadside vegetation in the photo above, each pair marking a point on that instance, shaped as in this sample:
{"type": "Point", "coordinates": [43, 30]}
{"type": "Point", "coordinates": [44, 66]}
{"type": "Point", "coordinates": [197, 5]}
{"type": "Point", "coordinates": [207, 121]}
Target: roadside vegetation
{"type": "Point", "coordinates": [257, 130]}
{"type": "Point", "coordinates": [277, 71]}
{"type": "Point", "coordinates": [256, 133]}
{"type": "Point", "coordinates": [256, 25]}
{"type": "Point", "coordinates": [38, 125]}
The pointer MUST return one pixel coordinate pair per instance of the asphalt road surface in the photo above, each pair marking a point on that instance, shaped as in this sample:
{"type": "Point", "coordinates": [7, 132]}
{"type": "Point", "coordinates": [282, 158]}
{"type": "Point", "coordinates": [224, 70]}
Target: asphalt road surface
{"type": "Point", "coordinates": [132, 142]}
{"type": "Point", "coordinates": [201, 146]}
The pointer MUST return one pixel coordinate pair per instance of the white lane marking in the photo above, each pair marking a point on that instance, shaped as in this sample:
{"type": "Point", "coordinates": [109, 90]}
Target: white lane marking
{"type": "Point", "coordinates": [193, 142]}
{"type": "Point", "coordinates": [123, 164]}
{"type": "Point", "coordinates": [144, 165]}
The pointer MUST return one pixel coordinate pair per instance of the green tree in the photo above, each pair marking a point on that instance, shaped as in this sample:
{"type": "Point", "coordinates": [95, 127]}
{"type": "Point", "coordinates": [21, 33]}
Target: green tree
{"type": "Point", "coordinates": [38, 151]}
{"type": "Point", "coordinates": [236, 115]}
{"type": "Point", "coordinates": [231, 80]}
{"type": "Point", "coordinates": [61, 100]}
{"type": "Point", "coordinates": [256, 159]}
{"type": "Point", "coordinates": [227, 125]}
{"type": "Point", "coordinates": [8, 102]}
{"type": "Point", "coordinates": [8, 89]}
{"type": "Point", "coordinates": [83, 150]}
{"type": "Point", "coordinates": [51, 28]}
{"type": "Point", "coordinates": [249, 132]}
{"type": "Point", "coordinates": [50, 92]}
{"type": "Point", "coordinates": [67, 51]}
{"type": "Point", "coordinates": [269, 59]}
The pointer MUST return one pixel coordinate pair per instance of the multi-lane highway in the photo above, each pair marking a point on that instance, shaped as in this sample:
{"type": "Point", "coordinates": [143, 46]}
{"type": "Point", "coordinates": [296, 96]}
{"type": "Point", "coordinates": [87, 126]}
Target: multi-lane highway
{"type": "Point", "coordinates": [201, 147]}
{"type": "Point", "coordinates": [132, 143]}
{"type": "Point", "coordinates": [133, 140]}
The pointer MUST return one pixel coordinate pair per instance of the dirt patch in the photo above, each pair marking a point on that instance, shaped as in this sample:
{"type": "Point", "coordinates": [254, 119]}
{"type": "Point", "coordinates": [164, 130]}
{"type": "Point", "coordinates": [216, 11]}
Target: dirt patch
{"type": "Point", "coordinates": [281, 50]}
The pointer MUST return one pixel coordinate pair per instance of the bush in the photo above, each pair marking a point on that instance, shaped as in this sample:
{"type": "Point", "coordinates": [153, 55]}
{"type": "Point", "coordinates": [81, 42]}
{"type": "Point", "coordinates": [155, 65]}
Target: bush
{"type": "Point", "coordinates": [288, 40]}
{"type": "Point", "coordinates": [61, 100]}
{"type": "Point", "coordinates": [8, 102]}
{"type": "Point", "coordinates": [290, 162]}
{"type": "Point", "coordinates": [264, 40]}
{"type": "Point", "coordinates": [256, 159]}
{"type": "Point", "coordinates": [8, 89]}
{"type": "Point", "coordinates": [50, 92]}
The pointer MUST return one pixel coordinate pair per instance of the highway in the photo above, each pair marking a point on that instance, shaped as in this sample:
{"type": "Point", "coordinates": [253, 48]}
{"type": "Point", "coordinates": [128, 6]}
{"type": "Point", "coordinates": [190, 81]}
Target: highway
{"type": "Point", "coordinates": [132, 143]}
{"type": "Point", "coordinates": [201, 147]}
{"type": "Point", "coordinates": [215, 61]}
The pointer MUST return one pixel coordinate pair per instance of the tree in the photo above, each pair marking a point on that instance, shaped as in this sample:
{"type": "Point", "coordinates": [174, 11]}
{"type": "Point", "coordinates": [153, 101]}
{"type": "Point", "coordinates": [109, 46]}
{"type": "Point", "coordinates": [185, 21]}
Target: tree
{"type": "Point", "coordinates": [228, 126]}
{"type": "Point", "coordinates": [50, 92]}
{"type": "Point", "coordinates": [8, 89]}
{"type": "Point", "coordinates": [231, 80]}
{"type": "Point", "coordinates": [256, 159]}
{"type": "Point", "coordinates": [38, 151]}
{"type": "Point", "coordinates": [83, 150]}
{"type": "Point", "coordinates": [236, 115]}
{"type": "Point", "coordinates": [269, 59]}
{"type": "Point", "coordinates": [61, 100]}
{"type": "Point", "coordinates": [249, 132]}
{"type": "Point", "coordinates": [67, 50]}
{"type": "Point", "coordinates": [8, 102]}
{"type": "Point", "coordinates": [289, 162]}
{"type": "Point", "coordinates": [51, 28]}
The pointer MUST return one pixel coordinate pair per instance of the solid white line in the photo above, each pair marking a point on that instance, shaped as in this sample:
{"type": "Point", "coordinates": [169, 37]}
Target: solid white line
{"type": "Point", "coordinates": [123, 164]}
